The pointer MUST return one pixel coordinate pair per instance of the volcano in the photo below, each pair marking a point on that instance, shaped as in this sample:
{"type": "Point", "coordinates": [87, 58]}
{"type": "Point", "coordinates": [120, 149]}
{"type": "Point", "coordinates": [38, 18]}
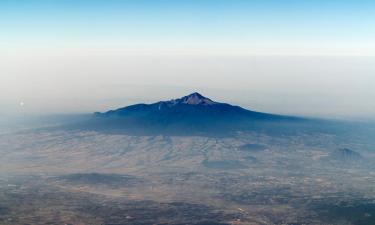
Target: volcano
{"type": "Point", "coordinates": [191, 114]}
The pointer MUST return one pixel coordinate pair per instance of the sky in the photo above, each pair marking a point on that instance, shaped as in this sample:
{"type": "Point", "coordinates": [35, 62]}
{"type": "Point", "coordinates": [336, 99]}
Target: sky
{"type": "Point", "coordinates": [312, 57]}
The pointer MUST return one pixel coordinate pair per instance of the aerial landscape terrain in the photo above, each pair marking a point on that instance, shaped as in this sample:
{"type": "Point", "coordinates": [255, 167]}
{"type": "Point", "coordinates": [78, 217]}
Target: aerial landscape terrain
{"type": "Point", "coordinates": [187, 112]}
{"type": "Point", "coordinates": [93, 172]}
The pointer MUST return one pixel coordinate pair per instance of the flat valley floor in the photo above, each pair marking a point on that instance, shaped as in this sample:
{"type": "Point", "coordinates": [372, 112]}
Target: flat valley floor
{"type": "Point", "coordinates": [64, 177]}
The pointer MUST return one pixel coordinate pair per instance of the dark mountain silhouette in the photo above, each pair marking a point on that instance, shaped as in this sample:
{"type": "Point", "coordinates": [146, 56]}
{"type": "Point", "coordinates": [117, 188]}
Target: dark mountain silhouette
{"type": "Point", "coordinates": [192, 108]}
{"type": "Point", "coordinates": [191, 114]}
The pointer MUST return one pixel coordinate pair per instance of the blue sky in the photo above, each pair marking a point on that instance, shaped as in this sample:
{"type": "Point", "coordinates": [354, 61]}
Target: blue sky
{"type": "Point", "coordinates": [346, 24]}
{"type": "Point", "coordinates": [305, 57]}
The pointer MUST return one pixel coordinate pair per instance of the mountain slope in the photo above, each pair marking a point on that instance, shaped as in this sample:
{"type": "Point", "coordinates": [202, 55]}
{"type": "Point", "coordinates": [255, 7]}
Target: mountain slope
{"type": "Point", "coordinates": [191, 107]}
{"type": "Point", "coordinates": [191, 114]}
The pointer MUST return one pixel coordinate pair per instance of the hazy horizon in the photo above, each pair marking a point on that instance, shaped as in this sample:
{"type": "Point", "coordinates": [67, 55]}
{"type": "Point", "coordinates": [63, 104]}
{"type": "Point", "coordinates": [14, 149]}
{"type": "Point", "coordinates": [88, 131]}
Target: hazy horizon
{"type": "Point", "coordinates": [333, 87]}
{"type": "Point", "coordinates": [287, 57]}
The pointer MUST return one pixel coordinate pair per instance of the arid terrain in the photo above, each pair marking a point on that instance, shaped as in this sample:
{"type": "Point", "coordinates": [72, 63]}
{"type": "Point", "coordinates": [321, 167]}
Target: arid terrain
{"type": "Point", "coordinates": [51, 176]}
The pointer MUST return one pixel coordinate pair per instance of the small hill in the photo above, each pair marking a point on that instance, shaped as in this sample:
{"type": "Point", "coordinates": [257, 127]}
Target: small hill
{"type": "Point", "coordinates": [346, 155]}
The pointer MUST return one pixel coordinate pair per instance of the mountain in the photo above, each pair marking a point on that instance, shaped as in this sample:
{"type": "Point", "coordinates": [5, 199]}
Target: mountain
{"type": "Point", "coordinates": [193, 107]}
{"type": "Point", "coordinates": [191, 114]}
{"type": "Point", "coordinates": [346, 155]}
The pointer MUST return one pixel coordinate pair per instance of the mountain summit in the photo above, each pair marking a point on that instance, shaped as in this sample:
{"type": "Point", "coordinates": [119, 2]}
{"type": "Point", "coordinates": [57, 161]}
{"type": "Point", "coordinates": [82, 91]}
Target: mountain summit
{"type": "Point", "coordinates": [193, 99]}
{"type": "Point", "coordinates": [191, 114]}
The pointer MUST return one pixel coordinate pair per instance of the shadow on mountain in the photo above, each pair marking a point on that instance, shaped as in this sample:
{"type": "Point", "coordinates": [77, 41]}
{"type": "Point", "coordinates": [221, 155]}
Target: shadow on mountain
{"type": "Point", "coordinates": [200, 116]}
{"type": "Point", "coordinates": [190, 115]}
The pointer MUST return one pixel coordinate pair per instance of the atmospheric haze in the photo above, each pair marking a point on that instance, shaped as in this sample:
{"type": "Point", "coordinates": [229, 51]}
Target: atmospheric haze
{"type": "Point", "coordinates": [87, 81]}
{"type": "Point", "coordinates": [187, 112]}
